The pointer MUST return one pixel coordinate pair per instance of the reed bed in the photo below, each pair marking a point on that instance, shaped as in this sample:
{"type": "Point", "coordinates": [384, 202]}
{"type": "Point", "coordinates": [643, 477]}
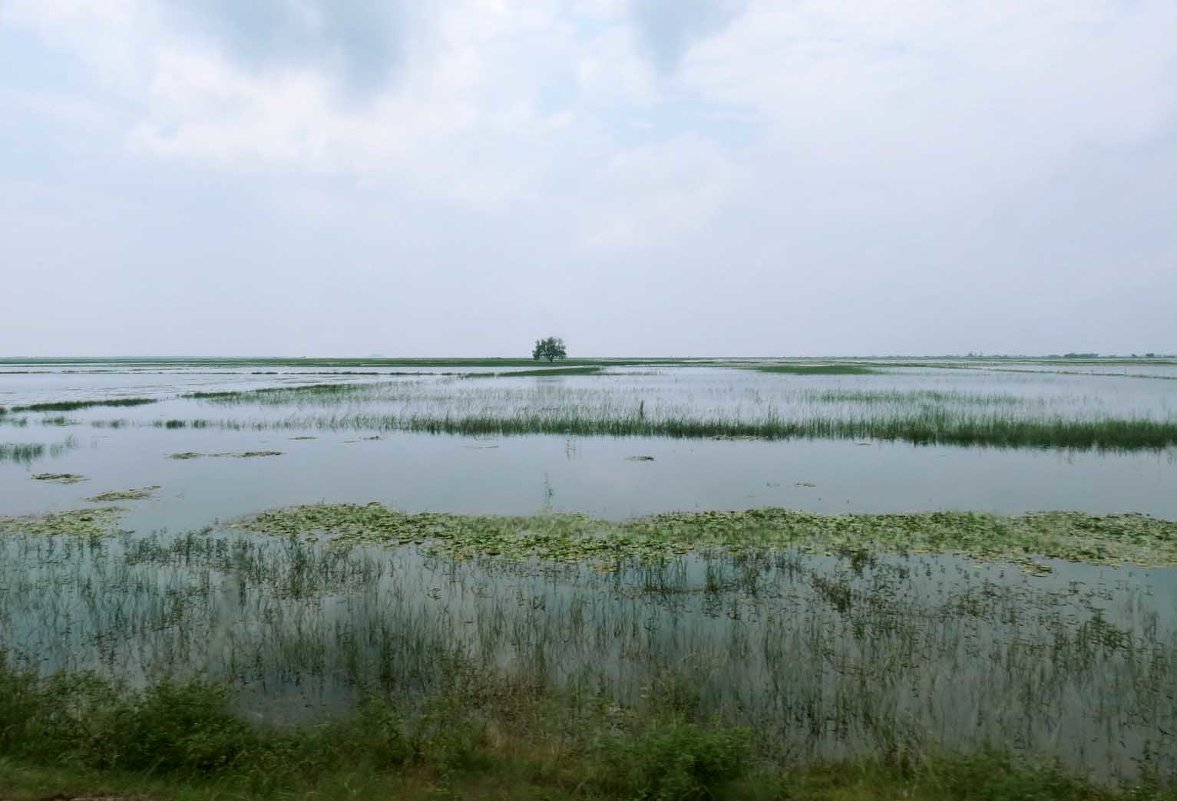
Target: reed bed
{"type": "Point", "coordinates": [852, 655]}
{"type": "Point", "coordinates": [29, 452]}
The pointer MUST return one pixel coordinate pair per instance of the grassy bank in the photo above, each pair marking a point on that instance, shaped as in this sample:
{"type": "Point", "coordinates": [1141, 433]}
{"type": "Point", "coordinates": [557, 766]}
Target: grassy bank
{"type": "Point", "coordinates": [482, 738]}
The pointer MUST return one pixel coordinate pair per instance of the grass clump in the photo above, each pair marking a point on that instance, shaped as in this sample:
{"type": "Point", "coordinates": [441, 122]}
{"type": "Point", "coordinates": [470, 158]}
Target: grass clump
{"type": "Point", "coordinates": [21, 452]}
{"type": "Point", "coordinates": [70, 406]}
{"type": "Point", "coordinates": [124, 495]}
{"type": "Point", "coordinates": [1075, 536]}
{"type": "Point", "coordinates": [539, 373]}
{"type": "Point", "coordinates": [60, 478]}
{"type": "Point", "coordinates": [672, 761]}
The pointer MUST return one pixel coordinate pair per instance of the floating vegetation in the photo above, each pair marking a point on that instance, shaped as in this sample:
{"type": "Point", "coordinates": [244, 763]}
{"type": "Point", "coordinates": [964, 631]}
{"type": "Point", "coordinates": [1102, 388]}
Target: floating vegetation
{"type": "Point", "coordinates": [71, 406]}
{"type": "Point", "coordinates": [60, 478]}
{"type": "Point", "coordinates": [124, 495]}
{"type": "Point", "coordinates": [1074, 536]}
{"type": "Point", "coordinates": [226, 454]}
{"type": "Point", "coordinates": [84, 523]}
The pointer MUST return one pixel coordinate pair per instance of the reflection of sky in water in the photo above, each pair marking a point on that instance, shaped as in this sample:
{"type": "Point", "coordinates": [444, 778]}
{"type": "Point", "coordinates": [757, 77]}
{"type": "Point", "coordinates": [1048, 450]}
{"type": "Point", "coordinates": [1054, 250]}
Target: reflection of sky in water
{"type": "Point", "coordinates": [830, 658]}
{"type": "Point", "coordinates": [1075, 664]}
{"type": "Point", "coordinates": [592, 474]}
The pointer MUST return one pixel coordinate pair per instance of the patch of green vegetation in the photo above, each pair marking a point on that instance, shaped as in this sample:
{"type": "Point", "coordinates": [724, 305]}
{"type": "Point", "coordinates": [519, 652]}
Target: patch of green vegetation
{"type": "Point", "coordinates": [72, 736]}
{"type": "Point", "coordinates": [70, 406]}
{"type": "Point", "coordinates": [21, 452]}
{"type": "Point", "coordinates": [915, 396]}
{"type": "Point", "coordinates": [1110, 539]}
{"type": "Point", "coordinates": [926, 426]}
{"type": "Point", "coordinates": [225, 454]}
{"type": "Point", "coordinates": [541, 372]}
{"type": "Point", "coordinates": [124, 495]}
{"type": "Point", "coordinates": [84, 523]}
{"type": "Point", "coordinates": [60, 478]}
{"type": "Point", "coordinates": [285, 394]}
{"type": "Point", "coordinates": [817, 369]}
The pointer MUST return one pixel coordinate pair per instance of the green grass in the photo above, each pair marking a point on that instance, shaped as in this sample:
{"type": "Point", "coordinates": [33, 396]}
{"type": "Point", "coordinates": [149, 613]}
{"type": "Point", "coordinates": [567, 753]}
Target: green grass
{"type": "Point", "coordinates": [70, 406]}
{"type": "Point", "coordinates": [817, 369]}
{"type": "Point", "coordinates": [21, 452]}
{"type": "Point", "coordinates": [29, 452]}
{"type": "Point", "coordinates": [923, 426]}
{"type": "Point", "coordinates": [543, 371]}
{"type": "Point", "coordinates": [74, 735]}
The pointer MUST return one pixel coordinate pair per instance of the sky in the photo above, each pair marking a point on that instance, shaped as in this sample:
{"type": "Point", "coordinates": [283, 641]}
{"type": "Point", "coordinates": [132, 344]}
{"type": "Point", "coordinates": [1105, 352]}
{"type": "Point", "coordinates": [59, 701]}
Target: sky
{"type": "Point", "coordinates": [640, 177]}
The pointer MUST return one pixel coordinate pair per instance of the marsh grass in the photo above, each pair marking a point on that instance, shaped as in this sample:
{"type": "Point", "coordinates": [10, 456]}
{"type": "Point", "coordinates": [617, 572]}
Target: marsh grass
{"type": "Point", "coordinates": [71, 406]}
{"type": "Point", "coordinates": [478, 739]}
{"type": "Point", "coordinates": [929, 426]}
{"type": "Point", "coordinates": [543, 372]}
{"type": "Point", "coordinates": [29, 452]}
{"type": "Point", "coordinates": [21, 452]}
{"type": "Point", "coordinates": [779, 659]}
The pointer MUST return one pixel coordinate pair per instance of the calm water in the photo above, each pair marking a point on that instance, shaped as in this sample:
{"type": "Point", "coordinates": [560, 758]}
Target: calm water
{"type": "Point", "coordinates": [831, 657]}
{"type": "Point", "coordinates": [596, 475]}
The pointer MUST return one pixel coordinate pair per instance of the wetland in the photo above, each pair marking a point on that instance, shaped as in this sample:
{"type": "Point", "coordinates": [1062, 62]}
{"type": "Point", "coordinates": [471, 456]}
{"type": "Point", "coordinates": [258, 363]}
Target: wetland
{"type": "Point", "coordinates": [923, 573]}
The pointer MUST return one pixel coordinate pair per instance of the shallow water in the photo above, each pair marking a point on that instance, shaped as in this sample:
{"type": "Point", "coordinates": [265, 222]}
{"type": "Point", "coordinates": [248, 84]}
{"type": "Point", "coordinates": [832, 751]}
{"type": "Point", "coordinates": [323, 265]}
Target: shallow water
{"type": "Point", "coordinates": [601, 476]}
{"type": "Point", "coordinates": [826, 656]}
{"type": "Point", "coordinates": [832, 657]}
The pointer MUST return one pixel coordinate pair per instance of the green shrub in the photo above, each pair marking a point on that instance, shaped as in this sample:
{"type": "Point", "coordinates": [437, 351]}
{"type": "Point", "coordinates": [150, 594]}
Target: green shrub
{"type": "Point", "coordinates": [673, 761]}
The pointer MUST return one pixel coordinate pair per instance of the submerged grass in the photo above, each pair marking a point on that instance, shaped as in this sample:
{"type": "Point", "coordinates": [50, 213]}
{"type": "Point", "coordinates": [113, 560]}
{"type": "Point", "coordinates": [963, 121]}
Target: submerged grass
{"type": "Point", "coordinates": [1109, 539]}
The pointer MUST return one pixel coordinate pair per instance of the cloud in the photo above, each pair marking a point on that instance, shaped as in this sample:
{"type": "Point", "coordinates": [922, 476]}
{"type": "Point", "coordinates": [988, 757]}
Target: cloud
{"type": "Point", "coordinates": [358, 42]}
{"type": "Point", "coordinates": [667, 28]}
{"type": "Point", "coordinates": [846, 175]}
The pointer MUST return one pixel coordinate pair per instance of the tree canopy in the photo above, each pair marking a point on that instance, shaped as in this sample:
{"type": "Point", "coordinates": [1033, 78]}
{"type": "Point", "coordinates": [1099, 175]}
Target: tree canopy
{"type": "Point", "coordinates": [550, 348]}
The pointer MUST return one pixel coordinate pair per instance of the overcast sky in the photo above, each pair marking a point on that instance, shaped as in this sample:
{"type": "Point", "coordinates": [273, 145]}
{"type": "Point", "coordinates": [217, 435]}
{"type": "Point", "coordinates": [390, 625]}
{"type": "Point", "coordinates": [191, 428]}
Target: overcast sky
{"type": "Point", "coordinates": [641, 177]}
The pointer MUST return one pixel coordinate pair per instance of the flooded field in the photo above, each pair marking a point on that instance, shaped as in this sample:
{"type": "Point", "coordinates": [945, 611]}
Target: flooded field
{"type": "Point", "coordinates": [309, 532]}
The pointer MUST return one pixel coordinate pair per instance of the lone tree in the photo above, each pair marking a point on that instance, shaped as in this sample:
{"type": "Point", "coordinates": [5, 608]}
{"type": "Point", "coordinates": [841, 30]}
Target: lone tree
{"type": "Point", "coordinates": [551, 348]}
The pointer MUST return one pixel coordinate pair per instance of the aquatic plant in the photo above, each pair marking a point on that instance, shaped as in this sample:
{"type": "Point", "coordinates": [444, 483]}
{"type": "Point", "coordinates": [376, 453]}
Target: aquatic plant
{"type": "Point", "coordinates": [70, 406]}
